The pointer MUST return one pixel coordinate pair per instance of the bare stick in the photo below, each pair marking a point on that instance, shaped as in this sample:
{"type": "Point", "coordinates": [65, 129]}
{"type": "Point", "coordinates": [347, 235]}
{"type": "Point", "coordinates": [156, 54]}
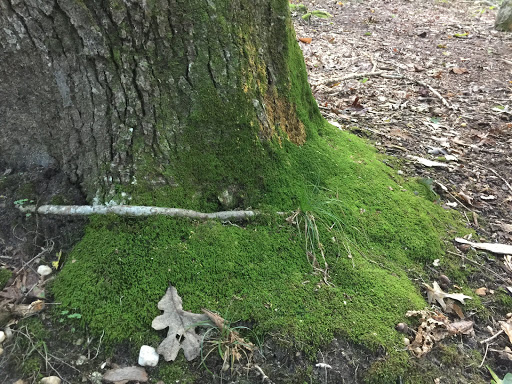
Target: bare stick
{"type": "Point", "coordinates": [480, 265]}
{"type": "Point", "coordinates": [264, 377]}
{"type": "Point", "coordinates": [437, 94]}
{"type": "Point", "coordinates": [485, 355]}
{"type": "Point", "coordinates": [99, 345]}
{"type": "Point", "coordinates": [135, 211]}
{"type": "Point", "coordinates": [390, 76]}
{"type": "Point", "coordinates": [497, 174]}
{"type": "Point", "coordinates": [372, 59]}
{"type": "Point", "coordinates": [486, 341]}
{"type": "Point", "coordinates": [355, 76]}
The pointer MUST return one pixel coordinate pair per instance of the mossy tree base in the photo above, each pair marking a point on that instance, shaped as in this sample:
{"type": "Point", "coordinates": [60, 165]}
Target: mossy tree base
{"type": "Point", "coordinates": [205, 105]}
{"type": "Point", "coordinates": [154, 102]}
{"type": "Point", "coordinates": [374, 227]}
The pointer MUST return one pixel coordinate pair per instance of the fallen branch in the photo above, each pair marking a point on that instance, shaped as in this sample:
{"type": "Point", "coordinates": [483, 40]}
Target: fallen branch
{"type": "Point", "coordinates": [134, 210]}
{"type": "Point", "coordinates": [355, 76]}
{"type": "Point", "coordinates": [488, 340]}
{"type": "Point", "coordinates": [437, 94]}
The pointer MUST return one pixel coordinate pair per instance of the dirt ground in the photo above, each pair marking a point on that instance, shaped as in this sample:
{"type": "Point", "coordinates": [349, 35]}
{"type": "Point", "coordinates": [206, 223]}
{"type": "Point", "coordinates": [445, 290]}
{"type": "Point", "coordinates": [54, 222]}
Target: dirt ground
{"type": "Point", "coordinates": [423, 80]}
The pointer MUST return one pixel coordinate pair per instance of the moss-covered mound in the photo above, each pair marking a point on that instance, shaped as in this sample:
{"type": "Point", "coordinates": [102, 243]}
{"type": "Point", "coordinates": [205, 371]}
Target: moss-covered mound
{"type": "Point", "coordinates": [346, 209]}
{"type": "Point", "coordinates": [372, 228]}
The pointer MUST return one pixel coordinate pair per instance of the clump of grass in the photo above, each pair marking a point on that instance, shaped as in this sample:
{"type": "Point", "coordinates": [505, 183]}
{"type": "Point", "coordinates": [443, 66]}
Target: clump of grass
{"type": "Point", "coordinates": [224, 338]}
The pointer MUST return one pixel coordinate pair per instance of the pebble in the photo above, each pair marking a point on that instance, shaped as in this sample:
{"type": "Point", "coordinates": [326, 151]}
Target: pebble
{"type": "Point", "coordinates": [148, 357]}
{"type": "Point", "coordinates": [402, 327]}
{"type": "Point", "coordinates": [96, 378]}
{"type": "Point", "coordinates": [44, 270]}
{"type": "Point", "coordinates": [81, 360]}
{"type": "Point", "coordinates": [2, 337]}
{"type": "Point", "coordinates": [50, 380]}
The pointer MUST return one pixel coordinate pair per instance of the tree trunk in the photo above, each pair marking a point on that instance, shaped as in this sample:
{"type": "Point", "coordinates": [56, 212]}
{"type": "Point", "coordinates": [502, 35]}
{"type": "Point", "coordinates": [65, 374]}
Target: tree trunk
{"type": "Point", "coordinates": [504, 17]}
{"type": "Point", "coordinates": [190, 98]}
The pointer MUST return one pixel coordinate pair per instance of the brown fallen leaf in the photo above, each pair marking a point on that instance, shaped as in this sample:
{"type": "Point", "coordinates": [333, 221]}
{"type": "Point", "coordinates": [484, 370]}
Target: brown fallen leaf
{"type": "Point", "coordinates": [21, 310]}
{"type": "Point", "coordinates": [506, 227]}
{"type": "Point", "coordinates": [452, 307]}
{"type": "Point", "coordinates": [505, 354]}
{"type": "Point", "coordinates": [507, 328]}
{"type": "Point", "coordinates": [181, 324]}
{"type": "Point", "coordinates": [435, 293]}
{"type": "Point", "coordinates": [306, 40]}
{"type": "Point", "coordinates": [465, 197]}
{"type": "Point", "coordinates": [356, 104]}
{"type": "Point", "coordinates": [481, 291]}
{"type": "Point", "coordinates": [464, 327]}
{"type": "Point", "coordinates": [433, 328]}
{"type": "Point", "coordinates": [126, 374]}
{"type": "Point", "coordinates": [459, 71]}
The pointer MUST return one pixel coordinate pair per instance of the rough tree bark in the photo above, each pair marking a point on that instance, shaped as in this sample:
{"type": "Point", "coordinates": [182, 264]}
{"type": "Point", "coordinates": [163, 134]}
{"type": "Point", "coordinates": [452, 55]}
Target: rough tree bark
{"type": "Point", "coordinates": [187, 95]}
{"type": "Point", "coordinates": [504, 17]}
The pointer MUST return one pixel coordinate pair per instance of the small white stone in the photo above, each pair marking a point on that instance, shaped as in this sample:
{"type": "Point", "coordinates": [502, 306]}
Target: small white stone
{"type": "Point", "coordinates": [148, 356]}
{"type": "Point", "coordinates": [44, 270]}
{"type": "Point", "coordinates": [50, 380]}
{"type": "Point", "coordinates": [2, 337]}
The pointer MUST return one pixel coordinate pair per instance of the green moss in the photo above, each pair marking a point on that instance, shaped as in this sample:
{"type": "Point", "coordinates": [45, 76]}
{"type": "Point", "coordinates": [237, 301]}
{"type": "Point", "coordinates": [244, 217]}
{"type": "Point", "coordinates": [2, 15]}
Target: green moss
{"type": "Point", "coordinates": [59, 200]}
{"type": "Point", "coordinates": [27, 191]}
{"type": "Point", "coordinates": [123, 266]}
{"type": "Point", "coordinates": [32, 366]}
{"type": "Point", "coordinates": [502, 298]}
{"type": "Point", "coordinates": [177, 371]}
{"type": "Point", "coordinates": [5, 275]}
{"type": "Point", "coordinates": [29, 344]}
{"type": "Point", "coordinates": [372, 227]}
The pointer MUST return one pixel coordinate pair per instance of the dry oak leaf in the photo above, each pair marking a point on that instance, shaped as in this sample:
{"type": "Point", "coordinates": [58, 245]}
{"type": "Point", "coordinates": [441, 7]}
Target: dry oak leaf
{"type": "Point", "coordinates": [507, 328]}
{"type": "Point", "coordinates": [433, 328]}
{"type": "Point", "coordinates": [306, 40]}
{"type": "Point", "coordinates": [181, 325]}
{"type": "Point", "coordinates": [435, 293]}
{"type": "Point", "coordinates": [459, 71]}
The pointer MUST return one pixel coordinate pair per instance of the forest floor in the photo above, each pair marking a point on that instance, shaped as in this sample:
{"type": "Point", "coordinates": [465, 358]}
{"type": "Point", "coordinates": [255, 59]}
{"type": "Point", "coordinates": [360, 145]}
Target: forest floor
{"type": "Point", "coordinates": [427, 80]}
{"type": "Point", "coordinates": [422, 80]}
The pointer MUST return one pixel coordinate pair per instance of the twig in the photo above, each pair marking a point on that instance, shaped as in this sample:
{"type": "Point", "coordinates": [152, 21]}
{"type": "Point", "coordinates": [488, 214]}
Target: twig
{"type": "Point", "coordinates": [133, 210]}
{"type": "Point", "coordinates": [485, 355]}
{"type": "Point", "coordinates": [99, 345]}
{"type": "Point", "coordinates": [355, 76]}
{"type": "Point", "coordinates": [497, 174]}
{"type": "Point", "coordinates": [264, 377]}
{"type": "Point", "coordinates": [481, 266]}
{"type": "Point", "coordinates": [486, 341]}
{"type": "Point", "coordinates": [437, 94]}
{"type": "Point", "coordinates": [372, 59]}
{"type": "Point", "coordinates": [391, 76]}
